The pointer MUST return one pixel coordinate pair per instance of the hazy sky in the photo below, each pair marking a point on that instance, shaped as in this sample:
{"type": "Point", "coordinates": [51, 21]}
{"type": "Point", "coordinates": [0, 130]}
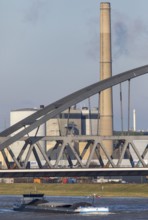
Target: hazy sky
{"type": "Point", "coordinates": [50, 48]}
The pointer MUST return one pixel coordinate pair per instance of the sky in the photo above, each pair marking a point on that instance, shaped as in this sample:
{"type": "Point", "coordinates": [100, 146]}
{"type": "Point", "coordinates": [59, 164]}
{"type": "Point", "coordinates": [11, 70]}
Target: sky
{"type": "Point", "coordinates": [50, 48]}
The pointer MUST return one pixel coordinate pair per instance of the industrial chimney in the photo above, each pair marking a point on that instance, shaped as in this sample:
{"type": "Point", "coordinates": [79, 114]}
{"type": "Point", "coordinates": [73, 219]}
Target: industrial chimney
{"type": "Point", "coordinates": [105, 101]}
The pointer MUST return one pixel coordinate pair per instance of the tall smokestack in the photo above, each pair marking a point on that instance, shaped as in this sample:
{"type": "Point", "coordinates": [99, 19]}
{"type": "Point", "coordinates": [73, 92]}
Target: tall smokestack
{"type": "Point", "coordinates": [106, 109]}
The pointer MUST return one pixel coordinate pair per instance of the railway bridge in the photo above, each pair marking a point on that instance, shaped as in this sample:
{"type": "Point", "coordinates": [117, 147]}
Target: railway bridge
{"type": "Point", "coordinates": [75, 162]}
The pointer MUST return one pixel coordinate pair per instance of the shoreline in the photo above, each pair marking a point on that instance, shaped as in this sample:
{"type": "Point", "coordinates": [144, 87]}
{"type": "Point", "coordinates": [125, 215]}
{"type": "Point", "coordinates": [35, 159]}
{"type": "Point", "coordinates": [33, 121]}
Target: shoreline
{"type": "Point", "coordinates": [104, 190]}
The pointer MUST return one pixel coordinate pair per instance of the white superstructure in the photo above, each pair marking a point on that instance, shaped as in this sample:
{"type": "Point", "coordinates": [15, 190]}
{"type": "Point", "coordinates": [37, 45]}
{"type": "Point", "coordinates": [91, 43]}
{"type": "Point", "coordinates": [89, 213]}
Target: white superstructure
{"type": "Point", "coordinates": [18, 115]}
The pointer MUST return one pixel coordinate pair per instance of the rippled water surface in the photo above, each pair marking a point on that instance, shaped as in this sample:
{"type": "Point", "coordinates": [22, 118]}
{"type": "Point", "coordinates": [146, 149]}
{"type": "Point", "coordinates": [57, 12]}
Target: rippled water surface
{"type": "Point", "coordinates": [120, 208]}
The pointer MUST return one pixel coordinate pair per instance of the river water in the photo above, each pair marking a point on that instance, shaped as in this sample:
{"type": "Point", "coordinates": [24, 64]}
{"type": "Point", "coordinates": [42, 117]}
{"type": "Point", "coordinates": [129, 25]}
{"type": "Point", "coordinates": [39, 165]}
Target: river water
{"type": "Point", "coordinates": [120, 209]}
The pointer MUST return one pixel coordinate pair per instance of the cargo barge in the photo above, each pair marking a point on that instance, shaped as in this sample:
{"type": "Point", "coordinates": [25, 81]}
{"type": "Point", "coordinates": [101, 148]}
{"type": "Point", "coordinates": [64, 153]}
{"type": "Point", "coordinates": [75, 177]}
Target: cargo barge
{"type": "Point", "coordinates": [37, 203]}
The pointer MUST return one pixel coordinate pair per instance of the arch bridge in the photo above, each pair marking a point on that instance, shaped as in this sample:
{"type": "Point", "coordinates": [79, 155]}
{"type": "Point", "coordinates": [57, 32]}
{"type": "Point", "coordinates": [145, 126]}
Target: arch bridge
{"type": "Point", "coordinates": [70, 160]}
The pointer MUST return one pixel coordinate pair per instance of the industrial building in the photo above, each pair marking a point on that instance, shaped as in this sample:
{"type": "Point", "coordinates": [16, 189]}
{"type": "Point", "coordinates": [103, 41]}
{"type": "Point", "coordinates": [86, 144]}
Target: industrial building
{"type": "Point", "coordinates": [70, 122]}
{"type": "Point", "coordinates": [76, 121]}
{"type": "Point", "coordinates": [16, 116]}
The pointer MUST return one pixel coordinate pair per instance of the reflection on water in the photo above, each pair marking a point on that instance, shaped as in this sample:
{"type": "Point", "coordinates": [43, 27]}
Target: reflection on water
{"type": "Point", "coordinates": [120, 208]}
{"type": "Point", "coordinates": [5, 210]}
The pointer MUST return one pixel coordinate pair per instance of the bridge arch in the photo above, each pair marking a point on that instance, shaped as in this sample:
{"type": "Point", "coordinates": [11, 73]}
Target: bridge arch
{"type": "Point", "coordinates": [52, 110]}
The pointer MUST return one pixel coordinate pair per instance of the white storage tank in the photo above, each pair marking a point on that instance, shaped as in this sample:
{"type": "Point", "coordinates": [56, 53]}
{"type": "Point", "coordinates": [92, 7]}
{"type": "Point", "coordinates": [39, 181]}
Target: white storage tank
{"type": "Point", "coordinates": [18, 115]}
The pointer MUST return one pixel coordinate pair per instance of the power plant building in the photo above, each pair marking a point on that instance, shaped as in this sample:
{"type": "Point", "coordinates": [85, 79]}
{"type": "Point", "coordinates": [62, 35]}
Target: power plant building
{"type": "Point", "coordinates": [76, 122]}
{"type": "Point", "coordinates": [18, 115]}
{"type": "Point", "coordinates": [73, 122]}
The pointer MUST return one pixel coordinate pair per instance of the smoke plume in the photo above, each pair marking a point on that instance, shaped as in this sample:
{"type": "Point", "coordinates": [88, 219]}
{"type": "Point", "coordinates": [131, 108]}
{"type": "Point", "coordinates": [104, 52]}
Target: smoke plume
{"type": "Point", "coordinates": [37, 9]}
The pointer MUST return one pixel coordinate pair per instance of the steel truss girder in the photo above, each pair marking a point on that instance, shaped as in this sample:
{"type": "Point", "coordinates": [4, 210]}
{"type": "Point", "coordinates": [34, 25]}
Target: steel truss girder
{"type": "Point", "coordinates": [67, 148]}
{"type": "Point", "coordinates": [88, 172]}
{"type": "Point", "coordinates": [52, 110]}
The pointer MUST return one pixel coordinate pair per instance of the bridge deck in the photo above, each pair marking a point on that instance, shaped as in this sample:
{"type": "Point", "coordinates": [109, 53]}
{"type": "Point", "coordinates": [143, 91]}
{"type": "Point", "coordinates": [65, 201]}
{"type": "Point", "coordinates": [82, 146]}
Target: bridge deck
{"type": "Point", "coordinates": [92, 172]}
